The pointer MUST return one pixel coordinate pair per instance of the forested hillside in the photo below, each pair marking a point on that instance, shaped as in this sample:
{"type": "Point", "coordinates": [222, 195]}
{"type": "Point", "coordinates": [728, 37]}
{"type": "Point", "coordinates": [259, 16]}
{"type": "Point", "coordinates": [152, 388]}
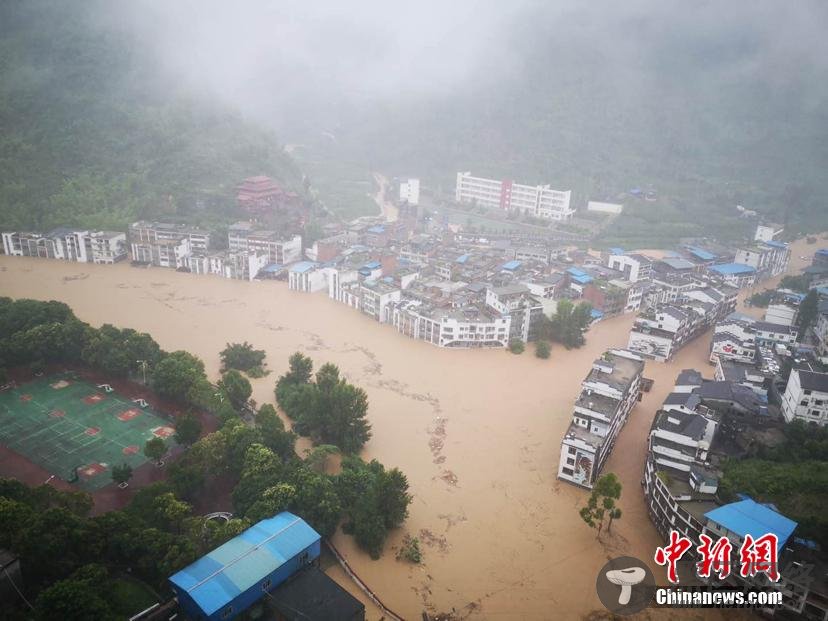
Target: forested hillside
{"type": "Point", "coordinates": [92, 134]}
{"type": "Point", "coordinates": [711, 106]}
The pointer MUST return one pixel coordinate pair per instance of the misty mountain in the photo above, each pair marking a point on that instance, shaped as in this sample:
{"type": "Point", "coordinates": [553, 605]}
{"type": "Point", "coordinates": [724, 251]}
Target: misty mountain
{"type": "Point", "coordinates": [94, 133]}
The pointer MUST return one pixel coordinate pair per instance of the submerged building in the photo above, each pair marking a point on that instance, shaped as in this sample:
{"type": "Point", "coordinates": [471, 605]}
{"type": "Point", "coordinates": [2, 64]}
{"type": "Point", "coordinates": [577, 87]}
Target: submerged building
{"type": "Point", "coordinates": [608, 394]}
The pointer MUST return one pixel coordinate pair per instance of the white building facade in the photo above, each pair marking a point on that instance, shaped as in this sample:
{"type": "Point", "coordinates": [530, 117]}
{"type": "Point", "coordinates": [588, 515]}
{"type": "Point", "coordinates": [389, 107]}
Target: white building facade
{"type": "Point", "coordinates": [540, 201]}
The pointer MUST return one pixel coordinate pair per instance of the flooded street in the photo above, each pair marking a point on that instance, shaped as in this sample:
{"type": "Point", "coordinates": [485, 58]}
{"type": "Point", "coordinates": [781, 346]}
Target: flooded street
{"type": "Point", "coordinates": [476, 432]}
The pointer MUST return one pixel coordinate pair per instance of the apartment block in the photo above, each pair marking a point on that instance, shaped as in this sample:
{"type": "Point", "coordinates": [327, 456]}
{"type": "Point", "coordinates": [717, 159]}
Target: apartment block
{"type": "Point", "coordinates": [608, 394]}
{"type": "Point", "coordinates": [540, 201]}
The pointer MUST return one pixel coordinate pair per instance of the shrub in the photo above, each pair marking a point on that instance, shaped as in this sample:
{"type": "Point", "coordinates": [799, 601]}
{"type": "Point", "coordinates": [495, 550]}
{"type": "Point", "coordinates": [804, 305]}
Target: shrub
{"type": "Point", "coordinates": [516, 346]}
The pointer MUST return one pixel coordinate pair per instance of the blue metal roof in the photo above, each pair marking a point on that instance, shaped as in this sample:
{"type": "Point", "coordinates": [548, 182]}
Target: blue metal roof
{"type": "Point", "coordinates": [701, 253]}
{"type": "Point", "coordinates": [776, 244]}
{"type": "Point", "coordinates": [582, 280]}
{"type": "Point", "coordinates": [462, 258]}
{"type": "Point", "coordinates": [377, 229]}
{"type": "Point", "coordinates": [272, 268]}
{"type": "Point", "coordinates": [511, 265]}
{"type": "Point", "coordinates": [302, 267]}
{"type": "Point", "coordinates": [575, 271]}
{"type": "Point", "coordinates": [822, 251]}
{"type": "Point", "coordinates": [214, 580]}
{"type": "Point", "coordinates": [596, 314]}
{"type": "Point", "coordinates": [732, 268]}
{"type": "Point", "coordinates": [748, 517]}
{"type": "Point", "coordinates": [616, 250]}
{"type": "Point", "coordinates": [372, 265]}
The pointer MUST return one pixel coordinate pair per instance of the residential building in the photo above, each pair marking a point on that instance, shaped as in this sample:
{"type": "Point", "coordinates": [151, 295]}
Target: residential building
{"type": "Point", "coordinates": [524, 309]}
{"type": "Point", "coordinates": [540, 201]}
{"type": "Point", "coordinates": [68, 245]}
{"type": "Point", "coordinates": [734, 338]}
{"type": "Point", "coordinates": [410, 191]}
{"type": "Point", "coordinates": [608, 394]}
{"type": "Point", "coordinates": [766, 233]}
{"type": "Point", "coordinates": [681, 480]}
{"type": "Point", "coordinates": [738, 275]}
{"type": "Point", "coordinates": [280, 248]}
{"type": "Point", "coordinates": [307, 277]}
{"type": "Point", "coordinates": [767, 258]}
{"type": "Point", "coordinates": [820, 331]}
{"type": "Point", "coordinates": [468, 327]}
{"type": "Point", "coordinates": [609, 297]}
{"type": "Point", "coordinates": [635, 266]}
{"type": "Point", "coordinates": [166, 245]}
{"type": "Point", "coordinates": [806, 397]}
{"type": "Point", "coordinates": [236, 264]}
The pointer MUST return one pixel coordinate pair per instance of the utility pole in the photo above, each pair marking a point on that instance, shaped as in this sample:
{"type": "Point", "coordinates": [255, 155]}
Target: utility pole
{"type": "Point", "coordinates": [143, 364]}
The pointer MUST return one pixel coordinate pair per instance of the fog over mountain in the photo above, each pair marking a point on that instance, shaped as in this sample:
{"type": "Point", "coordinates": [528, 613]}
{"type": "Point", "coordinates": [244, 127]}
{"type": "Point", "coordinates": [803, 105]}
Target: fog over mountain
{"type": "Point", "coordinates": [712, 104]}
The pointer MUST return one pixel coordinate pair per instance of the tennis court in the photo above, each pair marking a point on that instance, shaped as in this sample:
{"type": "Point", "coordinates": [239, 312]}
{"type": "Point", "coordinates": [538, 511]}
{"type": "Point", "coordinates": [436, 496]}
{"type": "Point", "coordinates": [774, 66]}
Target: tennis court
{"type": "Point", "coordinates": [62, 424]}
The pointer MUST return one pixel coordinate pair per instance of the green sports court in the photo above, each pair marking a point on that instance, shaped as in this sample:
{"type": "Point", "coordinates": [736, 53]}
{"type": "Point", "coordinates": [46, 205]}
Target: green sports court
{"type": "Point", "coordinates": [76, 430]}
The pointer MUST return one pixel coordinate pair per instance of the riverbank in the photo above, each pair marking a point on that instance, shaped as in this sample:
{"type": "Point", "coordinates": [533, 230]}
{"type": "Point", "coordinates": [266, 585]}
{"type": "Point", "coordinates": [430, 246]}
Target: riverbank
{"type": "Point", "coordinates": [476, 432]}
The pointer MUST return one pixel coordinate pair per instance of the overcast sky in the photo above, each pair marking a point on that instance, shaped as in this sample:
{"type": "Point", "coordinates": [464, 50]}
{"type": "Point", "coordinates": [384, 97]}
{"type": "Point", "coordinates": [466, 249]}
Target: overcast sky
{"type": "Point", "coordinates": [265, 56]}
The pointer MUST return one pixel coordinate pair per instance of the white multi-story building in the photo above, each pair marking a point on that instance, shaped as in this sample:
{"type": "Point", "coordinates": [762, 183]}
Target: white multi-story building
{"type": "Point", "coordinates": [308, 277]}
{"type": "Point", "coordinates": [67, 245]}
{"type": "Point", "coordinates": [662, 329]}
{"type": "Point", "coordinates": [806, 397]}
{"type": "Point", "coordinates": [167, 245]}
{"type": "Point", "coordinates": [734, 338]}
{"type": "Point", "coordinates": [280, 249]}
{"type": "Point", "coordinates": [820, 331]}
{"type": "Point", "coordinates": [525, 310]}
{"type": "Point", "coordinates": [467, 327]}
{"type": "Point", "coordinates": [236, 264]}
{"type": "Point", "coordinates": [410, 191]}
{"type": "Point", "coordinates": [635, 266]}
{"type": "Point", "coordinates": [540, 201]}
{"type": "Point", "coordinates": [768, 258]}
{"type": "Point", "coordinates": [608, 394]}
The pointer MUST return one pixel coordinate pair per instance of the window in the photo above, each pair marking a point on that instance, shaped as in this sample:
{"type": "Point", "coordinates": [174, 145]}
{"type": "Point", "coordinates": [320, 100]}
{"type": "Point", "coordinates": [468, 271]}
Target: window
{"type": "Point", "coordinates": [567, 471]}
{"type": "Point", "coordinates": [571, 450]}
{"type": "Point", "coordinates": [303, 558]}
{"type": "Point", "coordinates": [803, 402]}
{"type": "Point", "coordinates": [807, 392]}
{"type": "Point", "coordinates": [226, 612]}
{"type": "Point", "coordinates": [570, 461]}
{"type": "Point", "coordinates": [266, 584]}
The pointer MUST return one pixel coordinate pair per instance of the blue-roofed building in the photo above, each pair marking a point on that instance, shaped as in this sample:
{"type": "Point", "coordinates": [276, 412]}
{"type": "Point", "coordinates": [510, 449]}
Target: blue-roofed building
{"type": "Point", "coordinates": [748, 517]}
{"type": "Point", "coordinates": [462, 258]}
{"type": "Point", "coordinates": [616, 250]}
{"type": "Point", "coordinates": [701, 254]}
{"type": "Point", "coordinates": [735, 274]}
{"type": "Point", "coordinates": [511, 265]}
{"type": "Point", "coordinates": [231, 578]}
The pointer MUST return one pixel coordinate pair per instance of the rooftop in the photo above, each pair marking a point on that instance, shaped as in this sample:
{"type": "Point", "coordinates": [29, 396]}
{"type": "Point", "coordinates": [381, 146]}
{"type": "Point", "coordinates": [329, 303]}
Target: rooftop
{"type": "Point", "coordinates": [732, 269]}
{"type": "Point", "coordinates": [748, 517]}
{"type": "Point", "coordinates": [811, 380]}
{"type": "Point", "coordinates": [217, 578]}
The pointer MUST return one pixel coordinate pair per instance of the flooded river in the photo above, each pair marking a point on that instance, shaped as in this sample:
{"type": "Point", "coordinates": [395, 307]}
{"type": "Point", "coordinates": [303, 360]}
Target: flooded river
{"type": "Point", "coordinates": [476, 432]}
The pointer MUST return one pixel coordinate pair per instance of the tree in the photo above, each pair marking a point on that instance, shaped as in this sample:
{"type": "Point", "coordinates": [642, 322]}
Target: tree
{"type": "Point", "coordinates": [236, 387]}
{"type": "Point", "coordinates": [568, 324]}
{"type": "Point", "coordinates": [179, 376]}
{"type": "Point", "coordinates": [77, 598]}
{"type": "Point", "coordinates": [274, 434]}
{"type": "Point", "coordinates": [121, 474]}
{"type": "Point", "coordinates": [155, 449]}
{"type": "Point", "coordinates": [317, 457]}
{"type": "Point", "coordinates": [516, 346]}
{"type": "Point", "coordinates": [242, 357]}
{"type": "Point", "coordinates": [187, 429]}
{"type": "Point", "coordinates": [794, 283]}
{"type": "Point", "coordinates": [808, 312]}
{"type": "Point", "coordinates": [542, 349]}
{"type": "Point", "coordinates": [601, 503]}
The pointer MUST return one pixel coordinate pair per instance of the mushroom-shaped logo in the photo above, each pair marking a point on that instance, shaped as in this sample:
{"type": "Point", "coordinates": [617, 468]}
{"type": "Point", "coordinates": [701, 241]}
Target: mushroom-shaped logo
{"type": "Point", "coordinates": [626, 579]}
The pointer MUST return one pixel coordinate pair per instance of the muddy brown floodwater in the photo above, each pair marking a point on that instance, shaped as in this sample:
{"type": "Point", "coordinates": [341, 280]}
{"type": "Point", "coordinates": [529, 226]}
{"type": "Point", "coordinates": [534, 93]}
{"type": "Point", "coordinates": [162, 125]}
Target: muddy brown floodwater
{"type": "Point", "coordinates": [476, 432]}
